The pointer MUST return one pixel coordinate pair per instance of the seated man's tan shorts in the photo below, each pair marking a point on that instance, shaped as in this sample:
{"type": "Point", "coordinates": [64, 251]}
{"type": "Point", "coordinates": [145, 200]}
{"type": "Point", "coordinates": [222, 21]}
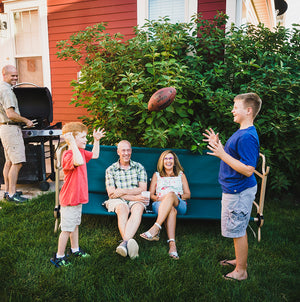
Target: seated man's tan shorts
{"type": "Point", "coordinates": [111, 204]}
{"type": "Point", "coordinates": [13, 143]}
{"type": "Point", "coordinates": [70, 217]}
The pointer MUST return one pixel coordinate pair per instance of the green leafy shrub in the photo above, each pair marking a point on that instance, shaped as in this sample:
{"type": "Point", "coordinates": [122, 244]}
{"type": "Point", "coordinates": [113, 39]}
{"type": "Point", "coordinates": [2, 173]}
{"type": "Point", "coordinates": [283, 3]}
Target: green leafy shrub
{"type": "Point", "coordinates": [208, 67]}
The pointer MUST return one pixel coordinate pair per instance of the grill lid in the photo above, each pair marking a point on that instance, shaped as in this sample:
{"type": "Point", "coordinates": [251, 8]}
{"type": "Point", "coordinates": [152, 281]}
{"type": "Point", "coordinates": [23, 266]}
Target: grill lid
{"type": "Point", "coordinates": [35, 103]}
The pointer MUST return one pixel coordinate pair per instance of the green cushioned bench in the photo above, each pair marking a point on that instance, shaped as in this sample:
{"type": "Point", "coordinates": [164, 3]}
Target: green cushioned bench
{"type": "Point", "coordinates": [201, 171]}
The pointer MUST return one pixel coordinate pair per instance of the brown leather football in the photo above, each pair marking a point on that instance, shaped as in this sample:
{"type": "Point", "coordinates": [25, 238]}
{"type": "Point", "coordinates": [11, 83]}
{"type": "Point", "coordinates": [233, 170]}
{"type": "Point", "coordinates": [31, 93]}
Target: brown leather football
{"type": "Point", "coordinates": [161, 99]}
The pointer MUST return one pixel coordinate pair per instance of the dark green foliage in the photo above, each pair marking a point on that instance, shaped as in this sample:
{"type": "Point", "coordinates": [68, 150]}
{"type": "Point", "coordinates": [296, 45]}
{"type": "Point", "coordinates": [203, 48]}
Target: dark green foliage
{"type": "Point", "coordinates": [208, 67]}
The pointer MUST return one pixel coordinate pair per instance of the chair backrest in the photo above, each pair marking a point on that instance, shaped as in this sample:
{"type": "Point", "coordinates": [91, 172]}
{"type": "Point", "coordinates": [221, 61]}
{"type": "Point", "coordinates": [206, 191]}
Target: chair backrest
{"type": "Point", "coordinates": [201, 170]}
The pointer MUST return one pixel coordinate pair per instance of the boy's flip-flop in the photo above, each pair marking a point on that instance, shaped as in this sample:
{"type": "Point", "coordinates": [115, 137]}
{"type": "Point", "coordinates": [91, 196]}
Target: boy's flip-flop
{"type": "Point", "coordinates": [226, 263]}
{"type": "Point", "coordinates": [231, 278]}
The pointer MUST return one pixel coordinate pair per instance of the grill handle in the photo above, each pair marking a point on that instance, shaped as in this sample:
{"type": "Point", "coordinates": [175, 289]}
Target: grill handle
{"type": "Point", "coordinates": [25, 83]}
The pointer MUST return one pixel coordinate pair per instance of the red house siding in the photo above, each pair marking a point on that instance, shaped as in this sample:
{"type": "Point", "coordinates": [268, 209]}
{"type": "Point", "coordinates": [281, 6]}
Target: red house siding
{"type": "Point", "coordinates": [68, 16]}
{"type": "Point", "coordinates": [208, 8]}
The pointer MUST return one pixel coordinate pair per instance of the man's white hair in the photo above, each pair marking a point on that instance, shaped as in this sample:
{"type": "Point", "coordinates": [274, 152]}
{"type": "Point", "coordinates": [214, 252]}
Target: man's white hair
{"type": "Point", "coordinates": [122, 142]}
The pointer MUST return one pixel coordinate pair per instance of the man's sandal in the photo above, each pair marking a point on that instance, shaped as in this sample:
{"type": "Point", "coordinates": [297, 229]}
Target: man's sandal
{"type": "Point", "coordinates": [173, 255]}
{"type": "Point", "coordinates": [147, 235]}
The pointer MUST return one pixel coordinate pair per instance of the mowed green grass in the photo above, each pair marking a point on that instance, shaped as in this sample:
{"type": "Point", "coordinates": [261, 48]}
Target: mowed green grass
{"type": "Point", "coordinates": [27, 242]}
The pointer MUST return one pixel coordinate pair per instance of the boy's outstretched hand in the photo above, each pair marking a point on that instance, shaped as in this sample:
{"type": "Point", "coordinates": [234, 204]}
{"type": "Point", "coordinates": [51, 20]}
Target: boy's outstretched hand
{"type": "Point", "coordinates": [98, 134]}
{"type": "Point", "coordinates": [214, 143]}
{"type": "Point", "coordinates": [211, 136]}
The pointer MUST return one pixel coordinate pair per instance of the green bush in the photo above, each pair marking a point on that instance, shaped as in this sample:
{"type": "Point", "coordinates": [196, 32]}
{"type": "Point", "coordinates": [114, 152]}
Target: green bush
{"type": "Point", "coordinates": [208, 67]}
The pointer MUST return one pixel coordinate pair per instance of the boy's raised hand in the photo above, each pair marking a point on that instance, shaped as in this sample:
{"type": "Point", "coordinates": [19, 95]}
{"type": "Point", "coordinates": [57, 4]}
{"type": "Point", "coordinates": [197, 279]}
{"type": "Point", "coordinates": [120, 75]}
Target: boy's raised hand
{"type": "Point", "coordinates": [211, 136]}
{"type": "Point", "coordinates": [69, 137]}
{"type": "Point", "coordinates": [98, 134]}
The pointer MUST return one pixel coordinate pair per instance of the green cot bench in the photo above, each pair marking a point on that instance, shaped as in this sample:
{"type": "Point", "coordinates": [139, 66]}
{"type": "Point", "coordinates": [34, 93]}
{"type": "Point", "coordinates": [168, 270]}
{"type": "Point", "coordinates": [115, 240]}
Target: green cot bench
{"type": "Point", "coordinates": [201, 171]}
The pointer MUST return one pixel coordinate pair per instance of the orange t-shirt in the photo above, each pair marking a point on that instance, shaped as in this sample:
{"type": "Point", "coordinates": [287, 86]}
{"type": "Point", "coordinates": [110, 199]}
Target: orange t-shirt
{"type": "Point", "coordinates": [75, 188]}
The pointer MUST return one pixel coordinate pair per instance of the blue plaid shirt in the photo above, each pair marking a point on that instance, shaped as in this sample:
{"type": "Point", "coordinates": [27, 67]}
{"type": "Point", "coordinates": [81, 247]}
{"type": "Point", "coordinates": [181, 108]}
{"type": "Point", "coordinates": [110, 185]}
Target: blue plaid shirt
{"type": "Point", "coordinates": [120, 178]}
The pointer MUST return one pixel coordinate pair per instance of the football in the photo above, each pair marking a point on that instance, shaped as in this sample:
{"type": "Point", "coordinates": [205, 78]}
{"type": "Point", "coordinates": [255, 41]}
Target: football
{"type": "Point", "coordinates": [161, 99]}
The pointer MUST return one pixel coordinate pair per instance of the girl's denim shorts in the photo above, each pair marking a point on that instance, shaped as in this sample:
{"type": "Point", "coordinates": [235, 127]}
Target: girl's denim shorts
{"type": "Point", "coordinates": [181, 208]}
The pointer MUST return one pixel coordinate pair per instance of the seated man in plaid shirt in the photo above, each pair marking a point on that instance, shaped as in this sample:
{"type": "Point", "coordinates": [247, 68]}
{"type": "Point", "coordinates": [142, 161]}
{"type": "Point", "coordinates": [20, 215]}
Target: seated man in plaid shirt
{"type": "Point", "coordinates": [125, 181]}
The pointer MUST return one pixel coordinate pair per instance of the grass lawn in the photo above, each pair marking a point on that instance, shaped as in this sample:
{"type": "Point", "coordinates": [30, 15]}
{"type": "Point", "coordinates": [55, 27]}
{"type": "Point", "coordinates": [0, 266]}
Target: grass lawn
{"type": "Point", "coordinates": [27, 242]}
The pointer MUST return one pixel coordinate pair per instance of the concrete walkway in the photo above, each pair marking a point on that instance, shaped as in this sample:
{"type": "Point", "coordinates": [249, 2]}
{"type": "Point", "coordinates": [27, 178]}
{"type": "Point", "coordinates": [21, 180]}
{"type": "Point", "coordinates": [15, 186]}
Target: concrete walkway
{"type": "Point", "coordinates": [30, 190]}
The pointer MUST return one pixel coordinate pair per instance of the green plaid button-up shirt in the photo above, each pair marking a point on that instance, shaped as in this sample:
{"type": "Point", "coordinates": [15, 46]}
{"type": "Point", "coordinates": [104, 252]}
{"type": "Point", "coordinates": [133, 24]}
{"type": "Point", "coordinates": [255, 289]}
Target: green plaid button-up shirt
{"type": "Point", "coordinates": [129, 178]}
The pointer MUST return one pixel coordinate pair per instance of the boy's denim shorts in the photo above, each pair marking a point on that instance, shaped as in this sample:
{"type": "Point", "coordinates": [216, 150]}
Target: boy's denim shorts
{"type": "Point", "coordinates": [236, 211]}
{"type": "Point", "coordinates": [181, 208]}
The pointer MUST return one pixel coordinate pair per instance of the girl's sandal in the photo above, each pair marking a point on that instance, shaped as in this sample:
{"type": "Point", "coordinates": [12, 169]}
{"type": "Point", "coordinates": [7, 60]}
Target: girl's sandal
{"type": "Point", "coordinates": [147, 235]}
{"type": "Point", "coordinates": [173, 255]}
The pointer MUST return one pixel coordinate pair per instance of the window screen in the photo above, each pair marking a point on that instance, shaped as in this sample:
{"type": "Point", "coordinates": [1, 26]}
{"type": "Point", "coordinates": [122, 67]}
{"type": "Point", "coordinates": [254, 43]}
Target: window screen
{"type": "Point", "coordinates": [27, 35]}
{"type": "Point", "coordinates": [174, 9]}
{"type": "Point", "coordinates": [28, 46]}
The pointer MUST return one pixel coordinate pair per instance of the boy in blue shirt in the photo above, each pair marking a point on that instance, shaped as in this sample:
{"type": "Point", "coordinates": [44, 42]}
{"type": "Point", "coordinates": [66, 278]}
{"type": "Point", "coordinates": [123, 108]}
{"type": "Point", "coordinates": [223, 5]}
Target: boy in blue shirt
{"type": "Point", "coordinates": [239, 158]}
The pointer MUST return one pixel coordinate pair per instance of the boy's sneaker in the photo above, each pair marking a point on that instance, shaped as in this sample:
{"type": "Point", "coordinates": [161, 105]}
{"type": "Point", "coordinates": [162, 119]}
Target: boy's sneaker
{"type": "Point", "coordinates": [80, 253]}
{"type": "Point", "coordinates": [133, 249]}
{"type": "Point", "coordinates": [17, 198]}
{"type": "Point", "coordinates": [122, 249]}
{"type": "Point", "coordinates": [60, 262]}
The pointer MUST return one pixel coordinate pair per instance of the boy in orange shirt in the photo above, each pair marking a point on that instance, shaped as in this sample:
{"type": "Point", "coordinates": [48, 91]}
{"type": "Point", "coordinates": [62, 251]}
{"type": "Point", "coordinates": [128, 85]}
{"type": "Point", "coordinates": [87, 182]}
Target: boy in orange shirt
{"type": "Point", "coordinates": [74, 191]}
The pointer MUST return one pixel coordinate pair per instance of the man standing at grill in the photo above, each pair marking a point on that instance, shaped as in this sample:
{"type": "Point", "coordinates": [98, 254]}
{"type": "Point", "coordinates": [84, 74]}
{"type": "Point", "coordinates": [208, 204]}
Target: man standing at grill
{"type": "Point", "coordinates": [11, 134]}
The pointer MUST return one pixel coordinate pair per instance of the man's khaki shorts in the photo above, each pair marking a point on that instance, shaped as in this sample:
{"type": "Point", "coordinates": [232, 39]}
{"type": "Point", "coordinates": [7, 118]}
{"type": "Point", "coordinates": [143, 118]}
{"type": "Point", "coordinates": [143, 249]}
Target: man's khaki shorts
{"type": "Point", "coordinates": [70, 217]}
{"type": "Point", "coordinates": [13, 143]}
{"type": "Point", "coordinates": [111, 204]}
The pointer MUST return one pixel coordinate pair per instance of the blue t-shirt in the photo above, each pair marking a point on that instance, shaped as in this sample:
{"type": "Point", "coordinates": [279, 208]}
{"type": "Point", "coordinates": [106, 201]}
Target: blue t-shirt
{"type": "Point", "coordinates": [243, 145]}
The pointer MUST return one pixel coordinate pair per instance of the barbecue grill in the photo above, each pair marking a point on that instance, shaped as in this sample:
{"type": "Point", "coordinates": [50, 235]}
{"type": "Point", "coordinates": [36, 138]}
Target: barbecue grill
{"type": "Point", "coordinates": [35, 103]}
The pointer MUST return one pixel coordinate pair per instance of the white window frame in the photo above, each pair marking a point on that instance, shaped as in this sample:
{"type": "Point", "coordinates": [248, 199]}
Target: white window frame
{"type": "Point", "coordinates": [234, 12]}
{"type": "Point", "coordinates": [10, 7]}
{"type": "Point", "coordinates": [191, 8]}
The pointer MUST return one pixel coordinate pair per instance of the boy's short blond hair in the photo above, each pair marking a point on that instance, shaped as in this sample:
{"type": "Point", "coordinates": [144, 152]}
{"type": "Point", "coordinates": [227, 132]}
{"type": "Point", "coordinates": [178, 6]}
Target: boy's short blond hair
{"type": "Point", "coordinates": [74, 127]}
{"type": "Point", "coordinates": [252, 100]}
